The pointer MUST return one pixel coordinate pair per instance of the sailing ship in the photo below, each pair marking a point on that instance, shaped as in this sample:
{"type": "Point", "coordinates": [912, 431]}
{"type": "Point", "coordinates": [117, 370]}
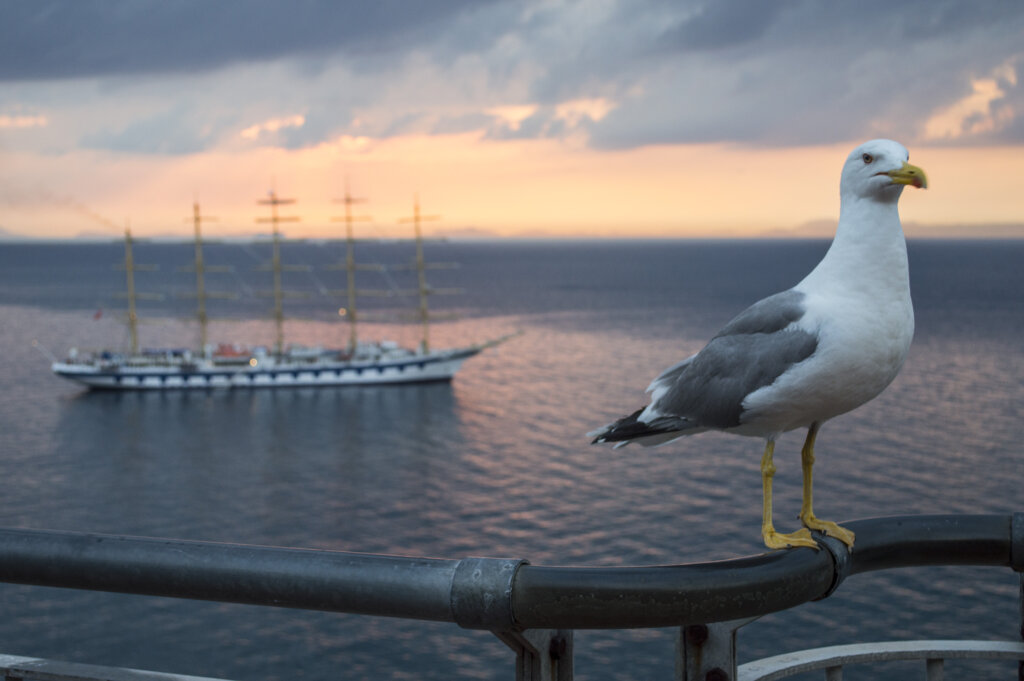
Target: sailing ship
{"type": "Point", "coordinates": [232, 366]}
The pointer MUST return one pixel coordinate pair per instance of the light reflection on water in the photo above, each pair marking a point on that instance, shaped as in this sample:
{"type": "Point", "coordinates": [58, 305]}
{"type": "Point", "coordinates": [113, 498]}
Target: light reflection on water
{"type": "Point", "coordinates": [495, 464]}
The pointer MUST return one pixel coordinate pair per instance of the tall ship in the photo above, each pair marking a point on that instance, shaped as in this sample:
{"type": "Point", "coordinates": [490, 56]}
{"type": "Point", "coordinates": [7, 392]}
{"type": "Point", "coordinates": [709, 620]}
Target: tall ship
{"type": "Point", "coordinates": [232, 366]}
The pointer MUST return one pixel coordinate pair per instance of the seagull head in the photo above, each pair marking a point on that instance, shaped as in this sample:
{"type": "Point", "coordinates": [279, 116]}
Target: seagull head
{"type": "Point", "coordinates": [879, 170]}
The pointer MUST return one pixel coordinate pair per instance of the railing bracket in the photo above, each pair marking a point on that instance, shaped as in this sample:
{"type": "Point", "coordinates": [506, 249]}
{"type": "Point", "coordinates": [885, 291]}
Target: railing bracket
{"type": "Point", "coordinates": [541, 654]}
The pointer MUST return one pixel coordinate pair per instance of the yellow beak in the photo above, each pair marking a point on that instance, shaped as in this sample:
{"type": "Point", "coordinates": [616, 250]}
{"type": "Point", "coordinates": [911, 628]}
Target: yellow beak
{"type": "Point", "coordinates": [909, 174]}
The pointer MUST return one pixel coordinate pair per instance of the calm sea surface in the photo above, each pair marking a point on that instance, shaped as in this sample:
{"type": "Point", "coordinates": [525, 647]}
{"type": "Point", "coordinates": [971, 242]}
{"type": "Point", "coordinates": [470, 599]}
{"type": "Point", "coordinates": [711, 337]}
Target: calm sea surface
{"type": "Point", "coordinates": [496, 463]}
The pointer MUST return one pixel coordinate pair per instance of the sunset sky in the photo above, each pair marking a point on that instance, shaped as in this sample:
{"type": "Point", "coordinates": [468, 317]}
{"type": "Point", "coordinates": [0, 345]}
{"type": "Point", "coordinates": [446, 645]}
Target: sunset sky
{"type": "Point", "coordinates": [626, 118]}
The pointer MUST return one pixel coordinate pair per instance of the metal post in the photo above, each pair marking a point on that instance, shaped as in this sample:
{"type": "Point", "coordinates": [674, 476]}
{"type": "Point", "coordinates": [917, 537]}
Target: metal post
{"type": "Point", "coordinates": [541, 654]}
{"type": "Point", "coordinates": [1017, 563]}
{"type": "Point", "coordinates": [707, 652]}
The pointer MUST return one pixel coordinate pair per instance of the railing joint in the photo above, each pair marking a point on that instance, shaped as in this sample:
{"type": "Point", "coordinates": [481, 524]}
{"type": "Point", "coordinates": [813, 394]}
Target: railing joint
{"type": "Point", "coordinates": [481, 593]}
{"type": "Point", "coordinates": [840, 553]}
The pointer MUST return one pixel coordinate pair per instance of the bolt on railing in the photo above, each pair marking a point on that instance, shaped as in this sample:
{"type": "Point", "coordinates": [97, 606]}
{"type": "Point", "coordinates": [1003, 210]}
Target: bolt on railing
{"type": "Point", "coordinates": [533, 609]}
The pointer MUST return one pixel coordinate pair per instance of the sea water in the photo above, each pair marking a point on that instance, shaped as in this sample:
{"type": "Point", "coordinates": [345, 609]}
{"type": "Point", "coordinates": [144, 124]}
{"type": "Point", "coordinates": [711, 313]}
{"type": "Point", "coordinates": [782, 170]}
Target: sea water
{"type": "Point", "coordinates": [497, 462]}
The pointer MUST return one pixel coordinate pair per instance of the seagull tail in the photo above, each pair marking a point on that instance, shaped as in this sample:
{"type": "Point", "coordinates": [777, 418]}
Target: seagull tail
{"type": "Point", "coordinates": [632, 429]}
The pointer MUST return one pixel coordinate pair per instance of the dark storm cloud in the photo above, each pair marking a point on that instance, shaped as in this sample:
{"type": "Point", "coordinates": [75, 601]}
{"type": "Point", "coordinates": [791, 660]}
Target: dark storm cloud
{"type": "Point", "coordinates": [61, 39]}
{"type": "Point", "coordinates": [803, 72]}
{"type": "Point", "coordinates": [725, 24]}
{"type": "Point", "coordinates": [717, 24]}
{"type": "Point", "coordinates": [772, 72]}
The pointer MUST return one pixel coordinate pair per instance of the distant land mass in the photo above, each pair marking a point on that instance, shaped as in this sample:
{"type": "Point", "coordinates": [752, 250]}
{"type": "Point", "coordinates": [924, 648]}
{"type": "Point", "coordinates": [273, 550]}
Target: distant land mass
{"type": "Point", "coordinates": [994, 230]}
{"type": "Point", "coordinates": [96, 236]}
{"type": "Point", "coordinates": [7, 235]}
{"type": "Point", "coordinates": [914, 230]}
{"type": "Point", "coordinates": [814, 229]}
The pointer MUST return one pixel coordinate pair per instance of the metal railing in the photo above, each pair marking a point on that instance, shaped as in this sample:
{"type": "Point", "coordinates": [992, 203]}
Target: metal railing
{"type": "Point", "coordinates": [533, 609]}
{"type": "Point", "coordinates": [833, 658]}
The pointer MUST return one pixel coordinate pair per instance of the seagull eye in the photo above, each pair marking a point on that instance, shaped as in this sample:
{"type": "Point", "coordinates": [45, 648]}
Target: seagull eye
{"type": "Point", "coordinates": [867, 158]}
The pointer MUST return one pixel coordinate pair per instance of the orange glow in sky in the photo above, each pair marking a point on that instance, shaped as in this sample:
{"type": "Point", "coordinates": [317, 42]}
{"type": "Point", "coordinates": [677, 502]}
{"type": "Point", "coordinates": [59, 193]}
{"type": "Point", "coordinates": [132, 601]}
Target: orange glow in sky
{"type": "Point", "coordinates": [531, 118]}
{"type": "Point", "coordinates": [482, 187]}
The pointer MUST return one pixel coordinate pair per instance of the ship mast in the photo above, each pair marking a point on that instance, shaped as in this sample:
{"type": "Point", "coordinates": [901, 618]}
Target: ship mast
{"type": "Point", "coordinates": [273, 201]}
{"type": "Point", "coordinates": [197, 221]}
{"type": "Point", "coordinates": [201, 268]}
{"type": "Point", "coordinates": [350, 266]}
{"type": "Point", "coordinates": [424, 290]}
{"type": "Point", "coordinates": [130, 268]}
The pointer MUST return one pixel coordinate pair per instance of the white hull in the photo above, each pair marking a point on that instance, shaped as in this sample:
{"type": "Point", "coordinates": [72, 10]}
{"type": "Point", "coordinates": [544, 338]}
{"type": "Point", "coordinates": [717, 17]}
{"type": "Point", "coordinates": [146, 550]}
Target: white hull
{"type": "Point", "coordinates": [146, 374]}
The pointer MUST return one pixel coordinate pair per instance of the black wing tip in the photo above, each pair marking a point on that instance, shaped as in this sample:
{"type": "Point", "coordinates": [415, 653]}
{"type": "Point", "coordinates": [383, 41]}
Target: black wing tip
{"type": "Point", "coordinates": [602, 435]}
{"type": "Point", "coordinates": [608, 433]}
{"type": "Point", "coordinates": [610, 438]}
{"type": "Point", "coordinates": [627, 429]}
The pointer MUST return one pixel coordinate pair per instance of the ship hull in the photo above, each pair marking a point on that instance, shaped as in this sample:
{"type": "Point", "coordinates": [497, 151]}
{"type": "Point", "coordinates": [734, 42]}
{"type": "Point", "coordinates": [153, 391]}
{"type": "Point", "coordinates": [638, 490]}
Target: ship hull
{"type": "Point", "coordinates": [437, 366]}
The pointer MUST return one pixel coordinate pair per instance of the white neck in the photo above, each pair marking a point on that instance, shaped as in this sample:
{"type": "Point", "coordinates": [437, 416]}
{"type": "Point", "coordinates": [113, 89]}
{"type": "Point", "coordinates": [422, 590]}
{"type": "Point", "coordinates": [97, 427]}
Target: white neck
{"type": "Point", "coordinates": [868, 254]}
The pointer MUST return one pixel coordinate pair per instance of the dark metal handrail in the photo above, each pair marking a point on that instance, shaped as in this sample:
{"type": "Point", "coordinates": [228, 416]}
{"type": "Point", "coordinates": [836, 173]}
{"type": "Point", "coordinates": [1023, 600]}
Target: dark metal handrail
{"type": "Point", "coordinates": [396, 586]}
{"type": "Point", "coordinates": [503, 594]}
{"type": "Point", "coordinates": [582, 598]}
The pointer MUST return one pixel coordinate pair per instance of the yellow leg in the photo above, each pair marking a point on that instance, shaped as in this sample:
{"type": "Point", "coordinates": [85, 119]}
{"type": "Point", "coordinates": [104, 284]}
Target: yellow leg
{"type": "Point", "coordinates": [773, 539]}
{"type": "Point", "coordinates": [806, 510]}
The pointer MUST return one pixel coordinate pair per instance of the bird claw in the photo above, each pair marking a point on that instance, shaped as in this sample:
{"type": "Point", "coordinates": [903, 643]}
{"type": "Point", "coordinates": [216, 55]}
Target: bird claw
{"type": "Point", "coordinates": [830, 529]}
{"type": "Point", "coordinates": [777, 540]}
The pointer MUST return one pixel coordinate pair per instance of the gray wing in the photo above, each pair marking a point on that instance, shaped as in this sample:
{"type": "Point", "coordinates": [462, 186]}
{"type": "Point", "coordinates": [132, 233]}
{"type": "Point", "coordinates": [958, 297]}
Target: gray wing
{"type": "Point", "coordinates": [750, 352]}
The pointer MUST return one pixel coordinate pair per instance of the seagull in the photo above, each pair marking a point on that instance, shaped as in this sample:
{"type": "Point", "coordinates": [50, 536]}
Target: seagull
{"type": "Point", "coordinates": [803, 356]}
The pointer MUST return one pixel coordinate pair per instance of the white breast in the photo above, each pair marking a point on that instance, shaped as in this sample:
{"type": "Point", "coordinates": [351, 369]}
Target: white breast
{"type": "Point", "coordinates": [858, 304]}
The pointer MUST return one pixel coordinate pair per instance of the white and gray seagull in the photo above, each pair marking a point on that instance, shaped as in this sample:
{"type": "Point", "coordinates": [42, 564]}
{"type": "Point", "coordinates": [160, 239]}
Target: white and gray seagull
{"type": "Point", "coordinates": [800, 357]}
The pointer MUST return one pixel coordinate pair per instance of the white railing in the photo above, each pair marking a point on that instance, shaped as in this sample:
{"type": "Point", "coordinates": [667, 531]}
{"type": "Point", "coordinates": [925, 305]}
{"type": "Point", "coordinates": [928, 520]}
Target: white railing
{"type": "Point", "coordinates": [833, 658]}
{"type": "Point", "coordinates": [36, 669]}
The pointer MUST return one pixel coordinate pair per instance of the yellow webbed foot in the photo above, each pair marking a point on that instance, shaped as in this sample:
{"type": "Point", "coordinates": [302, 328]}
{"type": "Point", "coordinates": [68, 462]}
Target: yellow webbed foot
{"type": "Point", "coordinates": [829, 528]}
{"type": "Point", "coordinates": [777, 540]}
